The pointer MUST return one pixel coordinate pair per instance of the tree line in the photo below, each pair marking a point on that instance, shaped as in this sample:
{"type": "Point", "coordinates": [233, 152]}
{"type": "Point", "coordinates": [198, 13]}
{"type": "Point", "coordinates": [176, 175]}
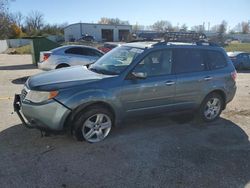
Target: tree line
{"type": "Point", "coordinates": [16, 25]}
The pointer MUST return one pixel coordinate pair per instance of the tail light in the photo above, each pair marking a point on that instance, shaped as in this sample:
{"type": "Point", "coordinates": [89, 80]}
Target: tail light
{"type": "Point", "coordinates": [234, 75]}
{"type": "Point", "coordinates": [45, 56]}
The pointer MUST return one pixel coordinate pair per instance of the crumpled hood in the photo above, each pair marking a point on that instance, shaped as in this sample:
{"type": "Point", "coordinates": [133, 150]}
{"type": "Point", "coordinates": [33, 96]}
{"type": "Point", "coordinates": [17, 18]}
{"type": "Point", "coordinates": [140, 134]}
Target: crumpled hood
{"type": "Point", "coordinates": [62, 78]}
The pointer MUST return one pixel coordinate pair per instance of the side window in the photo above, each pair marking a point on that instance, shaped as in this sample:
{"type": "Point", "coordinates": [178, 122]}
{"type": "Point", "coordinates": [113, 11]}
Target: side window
{"type": "Point", "coordinates": [215, 59]}
{"type": "Point", "coordinates": [245, 56]}
{"type": "Point", "coordinates": [86, 51]}
{"type": "Point", "coordinates": [95, 53]}
{"type": "Point", "coordinates": [156, 63]}
{"type": "Point", "coordinates": [188, 60]}
{"type": "Point", "coordinates": [74, 50]}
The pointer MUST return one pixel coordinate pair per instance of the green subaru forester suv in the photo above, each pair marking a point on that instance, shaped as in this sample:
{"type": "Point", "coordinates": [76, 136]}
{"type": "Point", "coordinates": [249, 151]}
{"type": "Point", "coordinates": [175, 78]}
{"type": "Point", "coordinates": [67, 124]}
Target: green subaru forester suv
{"type": "Point", "coordinates": [134, 79]}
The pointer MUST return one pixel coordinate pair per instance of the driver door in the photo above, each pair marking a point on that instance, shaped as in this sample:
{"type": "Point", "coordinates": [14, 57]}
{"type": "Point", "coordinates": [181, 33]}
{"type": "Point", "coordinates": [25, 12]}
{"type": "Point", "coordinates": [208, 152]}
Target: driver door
{"type": "Point", "coordinates": [156, 92]}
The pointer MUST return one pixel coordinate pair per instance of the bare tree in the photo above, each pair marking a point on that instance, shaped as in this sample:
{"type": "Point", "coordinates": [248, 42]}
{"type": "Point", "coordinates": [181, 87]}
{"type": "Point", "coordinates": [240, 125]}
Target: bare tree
{"type": "Point", "coordinates": [162, 25]}
{"type": "Point", "coordinates": [18, 18]}
{"type": "Point", "coordinates": [113, 21]}
{"type": "Point", "coordinates": [198, 28]}
{"type": "Point", "coordinates": [245, 27]}
{"type": "Point", "coordinates": [183, 27]}
{"type": "Point", "coordinates": [34, 21]}
{"type": "Point", "coordinates": [5, 20]}
{"type": "Point", "coordinates": [137, 27]}
{"type": "Point", "coordinates": [221, 30]}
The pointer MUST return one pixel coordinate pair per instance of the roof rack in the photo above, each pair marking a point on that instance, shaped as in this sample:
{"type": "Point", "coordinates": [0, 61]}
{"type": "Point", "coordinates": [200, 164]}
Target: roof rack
{"type": "Point", "coordinates": [185, 37]}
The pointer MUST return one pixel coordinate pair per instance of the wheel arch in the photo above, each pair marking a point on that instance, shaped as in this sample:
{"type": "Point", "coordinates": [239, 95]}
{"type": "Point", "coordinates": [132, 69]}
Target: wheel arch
{"type": "Point", "coordinates": [221, 93]}
{"type": "Point", "coordinates": [84, 107]}
{"type": "Point", "coordinates": [62, 65]}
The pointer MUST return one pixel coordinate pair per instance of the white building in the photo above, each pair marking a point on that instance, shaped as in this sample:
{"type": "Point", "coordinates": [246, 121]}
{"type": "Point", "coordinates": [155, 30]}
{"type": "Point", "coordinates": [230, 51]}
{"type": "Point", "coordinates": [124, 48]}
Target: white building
{"type": "Point", "coordinates": [101, 32]}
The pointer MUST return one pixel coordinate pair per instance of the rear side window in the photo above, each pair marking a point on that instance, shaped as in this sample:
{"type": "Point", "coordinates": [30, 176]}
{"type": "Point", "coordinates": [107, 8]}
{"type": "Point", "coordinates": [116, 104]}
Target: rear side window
{"type": "Point", "coordinates": [215, 59]}
{"type": "Point", "coordinates": [92, 52]}
{"type": "Point", "coordinates": [188, 60]}
{"type": "Point", "coordinates": [75, 51]}
{"type": "Point", "coordinates": [81, 51]}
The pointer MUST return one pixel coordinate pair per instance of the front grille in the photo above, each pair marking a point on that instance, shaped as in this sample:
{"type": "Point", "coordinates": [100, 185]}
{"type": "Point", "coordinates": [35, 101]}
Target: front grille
{"type": "Point", "coordinates": [23, 94]}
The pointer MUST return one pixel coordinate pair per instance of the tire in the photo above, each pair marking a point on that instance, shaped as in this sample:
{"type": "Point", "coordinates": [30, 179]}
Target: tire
{"type": "Point", "coordinates": [62, 66]}
{"type": "Point", "coordinates": [211, 107]}
{"type": "Point", "coordinates": [93, 124]}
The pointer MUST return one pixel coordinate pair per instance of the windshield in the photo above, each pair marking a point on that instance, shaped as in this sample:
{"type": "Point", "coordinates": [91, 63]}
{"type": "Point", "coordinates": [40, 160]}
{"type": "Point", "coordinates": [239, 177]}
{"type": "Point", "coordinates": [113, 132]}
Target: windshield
{"type": "Point", "coordinates": [116, 61]}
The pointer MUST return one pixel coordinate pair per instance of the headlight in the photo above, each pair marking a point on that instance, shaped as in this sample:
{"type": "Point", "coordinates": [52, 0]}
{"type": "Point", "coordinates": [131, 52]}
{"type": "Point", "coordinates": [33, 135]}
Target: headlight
{"type": "Point", "coordinates": [40, 96]}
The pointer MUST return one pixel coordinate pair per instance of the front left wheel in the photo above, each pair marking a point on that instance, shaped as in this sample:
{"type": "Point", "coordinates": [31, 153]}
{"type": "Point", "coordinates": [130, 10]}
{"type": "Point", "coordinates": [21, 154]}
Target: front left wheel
{"type": "Point", "coordinates": [94, 124]}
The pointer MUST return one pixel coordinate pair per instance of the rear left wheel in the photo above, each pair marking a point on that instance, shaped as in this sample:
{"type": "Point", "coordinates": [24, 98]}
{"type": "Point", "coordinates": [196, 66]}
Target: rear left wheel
{"type": "Point", "coordinates": [211, 107]}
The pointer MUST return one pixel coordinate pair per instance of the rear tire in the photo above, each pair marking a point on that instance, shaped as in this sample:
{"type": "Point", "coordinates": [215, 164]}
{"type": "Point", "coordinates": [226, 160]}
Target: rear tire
{"type": "Point", "coordinates": [211, 107]}
{"type": "Point", "coordinates": [93, 124]}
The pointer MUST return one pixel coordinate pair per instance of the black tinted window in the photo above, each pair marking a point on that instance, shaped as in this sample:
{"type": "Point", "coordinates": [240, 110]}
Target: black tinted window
{"type": "Point", "coordinates": [75, 50]}
{"type": "Point", "coordinates": [92, 52]}
{"type": "Point", "coordinates": [215, 59]}
{"type": "Point", "coordinates": [156, 63]}
{"type": "Point", "coordinates": [83, 51]}
{"type": "Point", "coordinates": [188, 60]}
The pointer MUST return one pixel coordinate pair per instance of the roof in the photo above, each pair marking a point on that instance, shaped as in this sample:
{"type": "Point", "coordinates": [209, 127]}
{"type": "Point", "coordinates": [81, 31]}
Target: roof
{"type": "Point", "coordinates": [150, 44]}
{"type": "Point", "coordinates": [140, 44]}
{"type": "Point", "coordinates": [97, 24]}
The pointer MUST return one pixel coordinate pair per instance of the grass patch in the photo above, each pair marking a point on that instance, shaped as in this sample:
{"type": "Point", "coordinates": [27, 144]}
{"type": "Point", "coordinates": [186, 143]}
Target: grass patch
{"type": "Point", "coordinates": [20, 50]}
{"type": "Point", "coordinates": [24, 49]}
{"type": "Point", "coordinates": [238, 47]}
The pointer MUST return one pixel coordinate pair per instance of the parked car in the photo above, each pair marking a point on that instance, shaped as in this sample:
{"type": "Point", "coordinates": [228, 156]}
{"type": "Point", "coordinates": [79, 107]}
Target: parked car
{"type": "Point", "coordinates": [69, 55]}
{"type": "Point", "coordinates": [135, 79]}
{"type": "Point", "coordinates": [241, 60]}
{"type": "Point", "coordinates": [107, 46]}
{"type": "Point", "coordinates": [88, 38]}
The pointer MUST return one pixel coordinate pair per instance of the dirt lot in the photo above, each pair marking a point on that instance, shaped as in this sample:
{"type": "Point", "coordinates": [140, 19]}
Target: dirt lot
{"type": "Point", "coordinates": [158, 152]}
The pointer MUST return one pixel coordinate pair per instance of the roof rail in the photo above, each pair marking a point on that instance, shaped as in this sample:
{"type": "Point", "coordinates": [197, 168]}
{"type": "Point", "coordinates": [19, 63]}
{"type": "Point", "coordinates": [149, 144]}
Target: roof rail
{"type": "Point", "coordinates": [185, 37]}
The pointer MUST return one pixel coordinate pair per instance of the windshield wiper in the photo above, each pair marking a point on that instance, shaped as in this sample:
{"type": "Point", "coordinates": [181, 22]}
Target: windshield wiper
{"type": "Point", "coordinates": [102, 71]}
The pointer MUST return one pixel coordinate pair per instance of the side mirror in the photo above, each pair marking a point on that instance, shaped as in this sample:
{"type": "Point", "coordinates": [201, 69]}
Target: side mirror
{"type": "Point", "coordinates": [139, 75]}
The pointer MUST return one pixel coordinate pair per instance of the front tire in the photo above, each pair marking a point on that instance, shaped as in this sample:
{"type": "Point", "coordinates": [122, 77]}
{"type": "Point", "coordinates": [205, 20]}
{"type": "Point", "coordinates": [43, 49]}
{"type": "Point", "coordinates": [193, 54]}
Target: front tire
{"type": "Point", "coordinates": [211, 107]}
{"type": "Point", "coordinates": [94, 124]}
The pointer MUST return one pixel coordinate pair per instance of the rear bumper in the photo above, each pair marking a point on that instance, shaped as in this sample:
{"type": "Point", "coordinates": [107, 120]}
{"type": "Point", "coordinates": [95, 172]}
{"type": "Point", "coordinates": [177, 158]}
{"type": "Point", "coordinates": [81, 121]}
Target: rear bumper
{"type": "Point", "coordinates": [230, 94]}
{"type": "Point", "coordinates": [49, 116]}
{"type": "Point", "coordinates": [45, 65]}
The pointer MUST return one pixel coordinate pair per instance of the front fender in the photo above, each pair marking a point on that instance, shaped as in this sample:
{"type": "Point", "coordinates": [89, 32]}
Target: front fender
{"type": "Point", "coordinates": [82, 99]}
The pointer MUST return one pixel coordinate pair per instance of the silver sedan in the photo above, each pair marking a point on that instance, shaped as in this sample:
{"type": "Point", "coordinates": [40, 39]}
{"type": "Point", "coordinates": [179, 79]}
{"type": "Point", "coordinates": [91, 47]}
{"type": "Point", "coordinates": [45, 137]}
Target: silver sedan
{"type": "Point", "coordinates": [69, 55]}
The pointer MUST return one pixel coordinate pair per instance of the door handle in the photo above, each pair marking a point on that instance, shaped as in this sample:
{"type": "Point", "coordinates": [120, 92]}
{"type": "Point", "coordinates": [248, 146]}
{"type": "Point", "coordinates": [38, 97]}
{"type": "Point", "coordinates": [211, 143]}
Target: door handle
{"type": "Point", "coordinates": [169, 83]}
{"type": "Point", "coordinates": [207, 78]}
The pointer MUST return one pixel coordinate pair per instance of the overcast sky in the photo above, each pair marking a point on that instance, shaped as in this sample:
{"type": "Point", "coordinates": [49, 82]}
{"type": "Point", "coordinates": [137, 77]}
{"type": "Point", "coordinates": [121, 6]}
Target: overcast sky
{"type": "Point", "coordinates": [192, 12]}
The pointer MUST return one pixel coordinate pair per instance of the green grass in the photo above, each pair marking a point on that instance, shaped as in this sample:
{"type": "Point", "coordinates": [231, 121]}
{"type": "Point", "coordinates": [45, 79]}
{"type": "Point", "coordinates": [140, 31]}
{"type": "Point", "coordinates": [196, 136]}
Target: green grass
{"type": "Point", "coordinates": [24, 49]}
{"type": "Point", "coordinates": [238, 47]}
{"type": "Point", "coordinates": [20, 50]}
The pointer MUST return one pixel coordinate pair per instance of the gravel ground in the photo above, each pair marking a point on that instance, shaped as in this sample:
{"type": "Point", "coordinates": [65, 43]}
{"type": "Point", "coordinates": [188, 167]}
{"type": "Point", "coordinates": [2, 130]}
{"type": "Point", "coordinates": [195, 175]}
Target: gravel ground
{"type": "Point", "coordinates": [156, 152]}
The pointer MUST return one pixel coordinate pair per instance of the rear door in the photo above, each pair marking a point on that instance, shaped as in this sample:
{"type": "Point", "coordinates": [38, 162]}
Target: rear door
{"type": "Point", "coordinates": [246, 60]}
{"type": "Point", "coordinates": [193, 77]}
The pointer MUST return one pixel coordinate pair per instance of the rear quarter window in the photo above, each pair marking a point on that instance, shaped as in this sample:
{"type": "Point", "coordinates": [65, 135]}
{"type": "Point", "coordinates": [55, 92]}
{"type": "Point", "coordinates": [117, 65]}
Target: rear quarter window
{"type": "Point", "coordinates": [215, 59]}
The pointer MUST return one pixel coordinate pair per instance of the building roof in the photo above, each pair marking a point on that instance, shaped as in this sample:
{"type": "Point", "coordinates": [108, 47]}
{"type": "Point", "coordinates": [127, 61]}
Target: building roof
{"type": "Point", "coordinates": [97, 24]}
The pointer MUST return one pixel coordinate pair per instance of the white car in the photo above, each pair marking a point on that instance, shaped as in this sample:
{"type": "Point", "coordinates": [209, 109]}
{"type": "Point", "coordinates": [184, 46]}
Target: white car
{"type": "Point", "coordinates": [69, 55]}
